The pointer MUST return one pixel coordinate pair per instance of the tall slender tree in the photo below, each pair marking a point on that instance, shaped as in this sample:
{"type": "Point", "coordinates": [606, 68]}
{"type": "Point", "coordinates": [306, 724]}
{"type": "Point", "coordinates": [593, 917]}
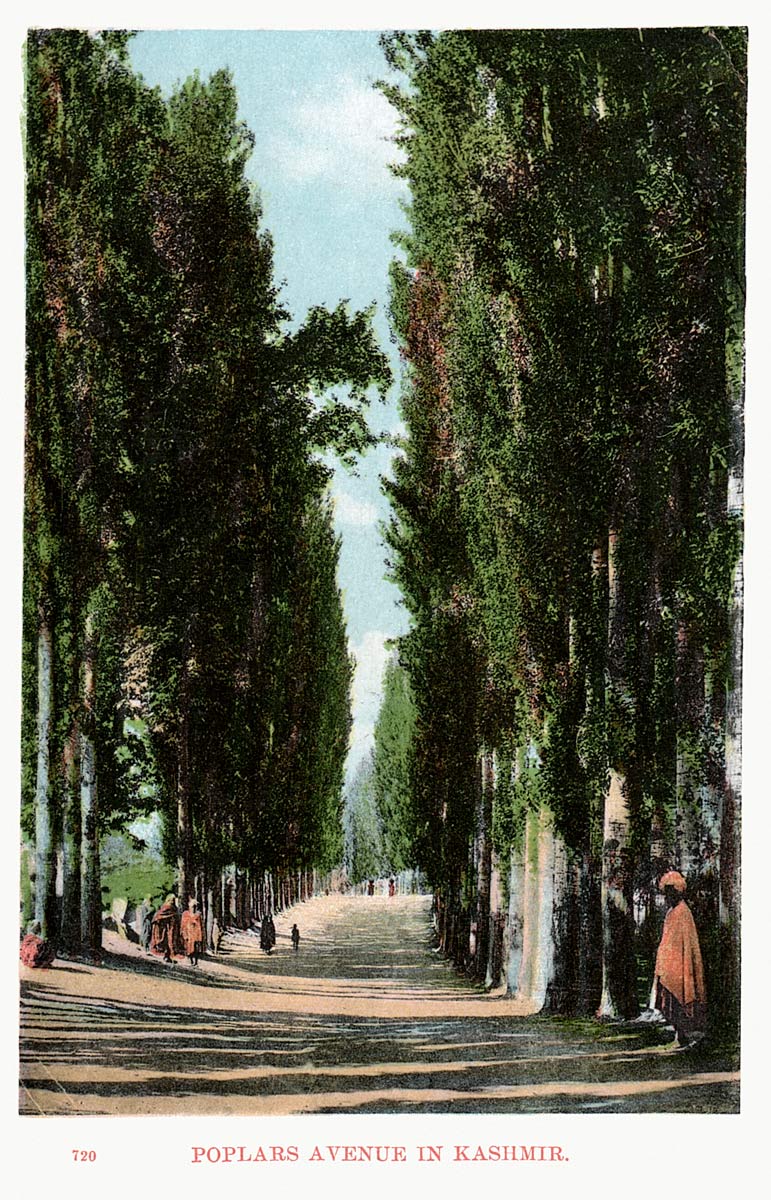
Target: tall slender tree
{"type": "Point", "coordinates": [572, 277]}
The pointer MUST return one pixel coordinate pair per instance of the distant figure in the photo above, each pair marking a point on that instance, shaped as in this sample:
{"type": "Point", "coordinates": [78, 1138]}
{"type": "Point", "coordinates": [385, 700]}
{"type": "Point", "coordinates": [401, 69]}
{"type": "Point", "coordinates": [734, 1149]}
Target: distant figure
{"type": "Point", "coordinates": [216, 936]}
{"type": "Point", "coordinates": [165, 938]}
{"type": "Point", "coordinates": [371, 888]}
{"type": "Point", "coordinates": [267, 933]}
{"type": "Point", "coordinates": [295, 938]}
{"type": "Point", "coordinates": [192, 932]}
{"type": "Point", "coordinates": [679, 974]}
{"type": "Point", "coordinates": [35, 952]}
{"type": "Point", "coordinates": [392, 886]}
{"type": "Point", "coordinates": [146, 914]}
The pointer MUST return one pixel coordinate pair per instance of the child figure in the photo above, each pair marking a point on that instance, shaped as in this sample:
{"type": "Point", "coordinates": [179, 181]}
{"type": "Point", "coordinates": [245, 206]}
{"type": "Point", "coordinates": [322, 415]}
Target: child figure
{"type": "Point", "coordinates": [295, 938]}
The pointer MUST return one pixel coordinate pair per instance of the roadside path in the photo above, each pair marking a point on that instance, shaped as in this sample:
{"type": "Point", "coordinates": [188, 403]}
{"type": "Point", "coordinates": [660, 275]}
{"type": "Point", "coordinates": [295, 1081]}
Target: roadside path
{"type": "Point", "coordinates": [365, 1018]}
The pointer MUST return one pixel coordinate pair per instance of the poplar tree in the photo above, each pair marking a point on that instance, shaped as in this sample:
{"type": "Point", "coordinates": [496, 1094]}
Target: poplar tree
{"type": "Point", "coordinates": [570, 315]}
{"type": "Point", "coordinates": [182, 617]}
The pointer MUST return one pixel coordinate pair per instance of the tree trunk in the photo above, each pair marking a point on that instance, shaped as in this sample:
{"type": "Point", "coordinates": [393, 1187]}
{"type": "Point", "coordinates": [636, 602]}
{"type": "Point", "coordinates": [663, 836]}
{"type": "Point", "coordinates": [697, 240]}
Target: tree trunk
{"type": "Point", "coordinates": [537, 964]}
{"type": "Point", "coordinates": [690, 727]}
{"type": "Point", "coordinates": [619, 984]}
{"type": "Point", "coordinates": [589, 966]}
{"type": "Point", "coordinates": [184, 818]}
{"type": "Point", "coordinates": [27, 887]}
{"type": "Point", "coordinates": [90, 881]}
{"type": "Point", "coordinates": [562, 990]}
{"type": "Point", "coordinates": [71, 838]}
{"type": "Point", "coordinates": [512, 952]}
{"type": "Point", "coordinates": [730, 811]}
{"type": "Point", "coordinates": [484, 865]}
{"type": "Point", "coordinates": [590, 956]}
{"type": "Point", "coordinates": [240, 904]}
{"type": "Point", "coordinates": [45, 851]}
{"type": "Point", "coordinates": [210, 915]}
{"type": "Point", "coordinates": [493, 970]}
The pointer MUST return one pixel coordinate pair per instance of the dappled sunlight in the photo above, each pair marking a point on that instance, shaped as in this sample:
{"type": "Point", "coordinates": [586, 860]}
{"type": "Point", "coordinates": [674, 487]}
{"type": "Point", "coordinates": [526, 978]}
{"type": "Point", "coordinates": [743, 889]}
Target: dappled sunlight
{"type": "Point", "coordinates": [385, 1100]}
{"type": "Point", "coordinates": [314, 1031]}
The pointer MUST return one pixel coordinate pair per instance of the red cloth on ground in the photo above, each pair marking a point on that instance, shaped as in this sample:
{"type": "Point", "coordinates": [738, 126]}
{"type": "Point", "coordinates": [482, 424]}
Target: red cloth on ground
{"type": "Point", "coordinates": [192, 932]}
{"type": "Point", "coordinates": [34, 952]}
{"type": "Point", "coordinates": [679, 967]}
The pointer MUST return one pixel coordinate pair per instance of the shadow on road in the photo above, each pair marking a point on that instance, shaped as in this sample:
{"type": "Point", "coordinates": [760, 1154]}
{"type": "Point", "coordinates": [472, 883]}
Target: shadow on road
{"type": "Point", "coordinates": [86, 1051]}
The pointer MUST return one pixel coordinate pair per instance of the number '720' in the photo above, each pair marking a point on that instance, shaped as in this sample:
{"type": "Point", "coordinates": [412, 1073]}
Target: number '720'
{"type": "Point", "coordinates": [84, 1155]}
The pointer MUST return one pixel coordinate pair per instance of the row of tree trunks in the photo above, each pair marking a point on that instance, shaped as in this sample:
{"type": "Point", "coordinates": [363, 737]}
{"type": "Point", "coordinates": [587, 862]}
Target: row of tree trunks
{"type": "Point", "coordinates": [565, 933]}
{"type": "Point", "coordinates": [569, 930]}
{"type": "Point", "coordinates": [239, 899]}
{"type": "Point", "coordinates": [66, 807]}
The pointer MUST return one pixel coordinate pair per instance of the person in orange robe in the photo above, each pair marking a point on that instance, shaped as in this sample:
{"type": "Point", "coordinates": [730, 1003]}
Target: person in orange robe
{"type": "Point", "coordinates": [681, 996]}
{"type": "Point", "coordinates": [192, 932]}
{"type": "Point", "coordinates": [165, 935]}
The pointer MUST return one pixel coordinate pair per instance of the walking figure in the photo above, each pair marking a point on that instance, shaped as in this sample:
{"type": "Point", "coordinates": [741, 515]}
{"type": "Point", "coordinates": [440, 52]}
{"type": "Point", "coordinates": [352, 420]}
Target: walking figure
{"type": "Point", "coordinates": [392, 886]}
{"type": "Point", "coordinates": [679, 974]}
{"type": "Point", "coordinates": [267, 934]}
{"type": "Point", "coordinates": [192, 932]}
{"type": "Point", "coordinates": [165, 939]}
{"type": "Point", "coordinates": [295, 938]}
{"type": "Point", "coordinates": [146, 914]}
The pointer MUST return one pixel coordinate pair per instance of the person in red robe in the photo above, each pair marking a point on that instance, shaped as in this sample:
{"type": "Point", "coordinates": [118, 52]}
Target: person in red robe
{"type": "Point", "coordinates": [165, 938]}
{"type": "Point", "coordinates": [681, 996]}
{"type": "Point", "coordinates": [192, 932]}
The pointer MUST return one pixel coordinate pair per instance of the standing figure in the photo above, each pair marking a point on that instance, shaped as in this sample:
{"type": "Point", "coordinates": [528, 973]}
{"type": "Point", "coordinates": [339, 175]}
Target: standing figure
{"type": "Point", "coordinates": [146, 914]}
{"type": "Point", "coordinates": [267, 933]}
{"type": "Point", "coordinates": [216, 936]}
{"type": "Point", "coordinates": [295, 938]}
{"type": "Point", "coordinates": [392, 886]}
{"type": "Point", "coordinates": [165, 938]}
{"type": "Point", "coordinates": [679, 974]}
{"type": "Point", "coordinates": [371, 887]}
{"type": "Point", "coordinates": [192, 932]}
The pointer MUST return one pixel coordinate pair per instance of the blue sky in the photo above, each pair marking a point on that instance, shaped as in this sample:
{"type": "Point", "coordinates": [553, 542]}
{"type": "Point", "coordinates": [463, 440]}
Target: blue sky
{"type": "Point", "coordinates": [320, 162]}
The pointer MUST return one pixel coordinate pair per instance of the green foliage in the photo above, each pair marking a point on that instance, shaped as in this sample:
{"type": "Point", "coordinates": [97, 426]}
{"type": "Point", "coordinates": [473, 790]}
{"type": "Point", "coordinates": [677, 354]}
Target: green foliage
{"type": "Point", "coordinates": [174, 494]}
{"type": "Point", "coordinates": [131, 870]}
{"type": "Point", "coordinates": [572, 324]}
{"type": "Point", "coordinates": [364, 850]}
{"type": "Point", "coordinates": [391, 767]}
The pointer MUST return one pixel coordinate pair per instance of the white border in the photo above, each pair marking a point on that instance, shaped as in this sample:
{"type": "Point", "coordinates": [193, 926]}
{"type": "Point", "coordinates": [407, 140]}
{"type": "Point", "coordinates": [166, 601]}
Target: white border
{"type": "Point", "coordinates": [635, 1156]}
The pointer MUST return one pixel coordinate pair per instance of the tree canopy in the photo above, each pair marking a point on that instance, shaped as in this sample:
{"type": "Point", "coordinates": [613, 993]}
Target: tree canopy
{"type": "Point", "coordinates": [570, 311]}
{"type": "Point", "coordinates": [179, 553]}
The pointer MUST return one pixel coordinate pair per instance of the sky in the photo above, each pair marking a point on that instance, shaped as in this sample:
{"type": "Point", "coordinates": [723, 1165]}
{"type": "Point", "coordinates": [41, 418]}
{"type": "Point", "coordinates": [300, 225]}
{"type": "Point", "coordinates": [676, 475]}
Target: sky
{"type": "Point", "coordinates": [320, 162]}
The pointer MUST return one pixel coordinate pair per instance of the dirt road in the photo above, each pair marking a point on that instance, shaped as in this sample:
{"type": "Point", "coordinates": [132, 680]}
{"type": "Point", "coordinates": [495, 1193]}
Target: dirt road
{"type": "Point", "coordinates": [364, 1018]}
